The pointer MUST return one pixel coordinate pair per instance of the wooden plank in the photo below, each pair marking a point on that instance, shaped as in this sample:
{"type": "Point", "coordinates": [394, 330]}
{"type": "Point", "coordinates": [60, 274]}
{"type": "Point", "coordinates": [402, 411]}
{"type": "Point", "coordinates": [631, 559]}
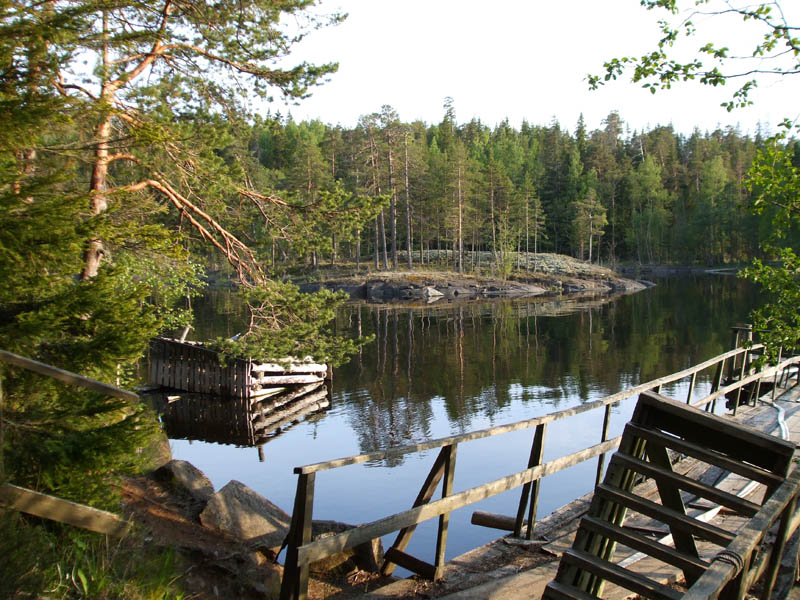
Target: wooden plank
{"type": "Point", "coordinates": [562, 591]}
{"type": "Point", "coordinates": [368, 531]}
{"type": "Point", "coordinates": [642, 543]}
{"type": "Point", "coordinates": [735, 440]}
{"type": "Point", "coordinates": [411, 563]}
{"type": "Point", "coordinates": [63, 511]}
{"type": "Point", "coordinates": [66, 376]}
{"type": "Point", "coordinates": [444, 519]}
{"type": "Point", "coordinates": [748, 539]}
{"type": "Point", "coordinates": [714, 494]}
{"type": "Point", "coordinates": [671, 498]}
{"type": "Point", "coordinates": [672, 518]}
{"type": "Point", "coordinates": [531, 489]}
{"type": "Point", "coordinates": [620, 576]}
{"type": "Point", "coordinates": [288, 379]}
{"type": "Point", "coordinates": [423, 497]}
{"type": "Point", "coordinates": [700, 452]}
{"type": "Point", "coordinates": [288, 367]}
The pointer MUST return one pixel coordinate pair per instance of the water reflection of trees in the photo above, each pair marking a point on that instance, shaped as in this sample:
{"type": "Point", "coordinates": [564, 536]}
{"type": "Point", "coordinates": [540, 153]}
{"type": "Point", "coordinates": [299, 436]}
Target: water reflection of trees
{"type": "Point", "coordinates": [480, 358]}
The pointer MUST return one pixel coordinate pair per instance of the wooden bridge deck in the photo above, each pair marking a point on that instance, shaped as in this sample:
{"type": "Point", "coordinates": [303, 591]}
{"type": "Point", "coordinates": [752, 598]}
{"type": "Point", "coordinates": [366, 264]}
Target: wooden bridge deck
{"type": "Point", "coordinates": [507, 568]}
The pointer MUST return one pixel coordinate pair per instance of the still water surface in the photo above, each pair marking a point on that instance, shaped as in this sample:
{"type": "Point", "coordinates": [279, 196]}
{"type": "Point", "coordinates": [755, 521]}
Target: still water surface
{"type": "Point", "coordinates": [448, 369]}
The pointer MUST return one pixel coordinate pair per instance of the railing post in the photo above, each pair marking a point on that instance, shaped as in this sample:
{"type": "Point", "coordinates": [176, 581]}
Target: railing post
{"type": "Point", "coordinates": [444, 520]}
{"type": "Point", "coordinates": [741, 376]}
{"type": "Point", "coordinates": [717, 384]}
{"type": "Point", "coordinates": [778, 547]}
{"type": "Point", "coordinates": [530, 489]}
{"type": "Point", "coordinates": [603, 437]}
{"type": "Point", "coordinates": [295, 577]}
{"type": "Point", "coordinates": [691, 388]}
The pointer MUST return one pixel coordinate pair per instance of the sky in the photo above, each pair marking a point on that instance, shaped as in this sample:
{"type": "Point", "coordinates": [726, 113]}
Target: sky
{"type": "Point", "coordinates": [515, 60]}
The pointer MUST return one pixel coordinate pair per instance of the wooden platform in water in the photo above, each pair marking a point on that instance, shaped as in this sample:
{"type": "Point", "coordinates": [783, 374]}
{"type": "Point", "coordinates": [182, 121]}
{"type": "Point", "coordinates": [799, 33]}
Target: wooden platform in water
{"type": "Point", "coordinates": [191, 367]}
{"type": "Point", "coordinates": [508, 568]}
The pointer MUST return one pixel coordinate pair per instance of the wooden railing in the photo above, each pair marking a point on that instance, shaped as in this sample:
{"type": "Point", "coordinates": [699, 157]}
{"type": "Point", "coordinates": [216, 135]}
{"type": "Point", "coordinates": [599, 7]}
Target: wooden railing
{"type": "Point", "coordinates": [747, 557]}
{"type": "Point", "coordinates": [301, 551]}
{"type": "Point", "coordinates": [51, 507]}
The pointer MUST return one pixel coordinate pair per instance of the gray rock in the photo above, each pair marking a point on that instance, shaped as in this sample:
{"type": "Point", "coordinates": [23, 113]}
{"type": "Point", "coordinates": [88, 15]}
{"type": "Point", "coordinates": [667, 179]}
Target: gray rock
{"type": "Point", "coordinates": [367, 556]}
{"type": "Point", "coordinates": [431, 292]}
{"type": "Point", "coordinates": [247, 515]}
{"type": "Point", "coordinates": [185, 477]}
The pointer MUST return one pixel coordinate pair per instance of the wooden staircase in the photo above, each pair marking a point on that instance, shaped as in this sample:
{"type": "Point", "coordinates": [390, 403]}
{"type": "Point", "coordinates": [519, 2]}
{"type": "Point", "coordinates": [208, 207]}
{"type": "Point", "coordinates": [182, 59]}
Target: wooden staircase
{"type": "Point", "coordinates": [659, 429]}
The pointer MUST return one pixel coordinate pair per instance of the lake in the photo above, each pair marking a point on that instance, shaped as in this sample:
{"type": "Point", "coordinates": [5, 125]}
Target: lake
{"type": "Point", "coordinates": [446, 369]}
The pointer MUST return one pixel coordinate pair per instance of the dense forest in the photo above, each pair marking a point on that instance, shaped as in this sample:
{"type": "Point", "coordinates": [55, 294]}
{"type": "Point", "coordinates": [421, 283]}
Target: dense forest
{"type": "Point", "coordinates": [606, 195]}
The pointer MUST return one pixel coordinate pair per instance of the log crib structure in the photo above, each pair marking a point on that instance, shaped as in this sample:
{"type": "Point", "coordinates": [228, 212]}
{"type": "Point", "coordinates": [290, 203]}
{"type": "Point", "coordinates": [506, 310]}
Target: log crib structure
{"type": "Point", "coordinates": [249, 399]}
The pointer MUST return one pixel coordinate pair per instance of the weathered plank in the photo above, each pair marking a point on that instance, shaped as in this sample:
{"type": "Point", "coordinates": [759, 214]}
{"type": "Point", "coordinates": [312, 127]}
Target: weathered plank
{"type": "Point", "coordinates": [671, 517]}
{"type": "Point", "coordinates": [717, 495]}
{"type": "Point", "coordinates": [622, 577]}
{"type": "Point", "coordinates": [296, 379]}
{"type": "Point", "coordinates": [63, 511]}
{"type": "Point", "coordinates": [288, 367]}
{"type": "Point", "coordinates": [66, 376]}
{"type": "Point", "coordinates": [500, 429]}
{"type": "Point", "coordinates": [702, 453]}
{"type": "Point", "coordinates": [648, 546]}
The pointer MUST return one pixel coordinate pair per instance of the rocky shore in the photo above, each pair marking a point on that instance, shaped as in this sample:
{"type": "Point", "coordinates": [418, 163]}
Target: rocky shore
{"type": "Point", "coordinates": [547, 274]}
{"type": "Point", "coordinates": [230, 538]}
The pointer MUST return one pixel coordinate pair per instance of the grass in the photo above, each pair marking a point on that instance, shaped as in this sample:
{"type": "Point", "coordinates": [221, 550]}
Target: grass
{"type": "Point", "coordinates": [47, 560]}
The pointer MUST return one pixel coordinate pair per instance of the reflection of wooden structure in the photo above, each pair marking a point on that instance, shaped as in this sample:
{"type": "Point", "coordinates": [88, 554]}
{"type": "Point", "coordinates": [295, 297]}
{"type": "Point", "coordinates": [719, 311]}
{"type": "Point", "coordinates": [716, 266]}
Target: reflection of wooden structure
{"type": "Point", "coordinates": [241, 402]}
{"type": "Point", "coordinates": [235, 420]}
{"type": "Point", "coordinates": [190, 367]}
{"type": "Point", "coordinates": [660, 426]}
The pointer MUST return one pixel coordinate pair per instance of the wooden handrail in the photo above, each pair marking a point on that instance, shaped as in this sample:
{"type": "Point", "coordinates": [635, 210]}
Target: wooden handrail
{"type": "Point", "coordinates": [66, 376]}
{"type": "Point", "coordinates": [500, 429]}
{"type": "Point", "coordinates": [737, 556]}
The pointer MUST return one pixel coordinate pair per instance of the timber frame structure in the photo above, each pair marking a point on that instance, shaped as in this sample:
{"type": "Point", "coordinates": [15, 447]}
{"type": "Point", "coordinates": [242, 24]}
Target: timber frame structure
{"type": "Point", "coordinates": [735, 373]}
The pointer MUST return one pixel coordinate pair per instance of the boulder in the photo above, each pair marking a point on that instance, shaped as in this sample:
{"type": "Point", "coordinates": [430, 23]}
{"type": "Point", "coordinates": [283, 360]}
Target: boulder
{"type": "Point", "coordinates": [247, 515]}
{"type": "Point", "coordinates": [367, 556]}
{"type": "Point", "coordinates": [431, 292]}
{"type": "Point", "coordinates": [184, 477]}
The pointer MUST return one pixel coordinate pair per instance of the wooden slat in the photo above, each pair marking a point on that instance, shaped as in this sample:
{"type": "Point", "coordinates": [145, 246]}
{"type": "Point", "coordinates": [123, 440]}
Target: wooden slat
{"type": "Point", "coordinates": [717, 495]}
{"type": "Point", "coordinates": [644, 544]}
{"type": "Point", "coordinates": [63, 511]}
{"type": "Point", "coordinates": [66, 376]}
{"type": "Point", "coordinates": [665, 515]}
{"type": "Point", "coordinates": [423, 497]}
{"type": "Point", "coordinates": [733, 439]}
{"type": "Point", "coordinates": [620, 576]}
{"type": "Point", "coordinates": [288, 367]}
{"type": "Point", "coordinates": [701, 453]}
{"type": "Point", "coordinates": [562, 591]}
{"type": "Point", "coordinates": [500, 429]}
{"type": "Point", "coordinates": [420, 567]}
{"type": "Point", "coordinates": [288, 379]}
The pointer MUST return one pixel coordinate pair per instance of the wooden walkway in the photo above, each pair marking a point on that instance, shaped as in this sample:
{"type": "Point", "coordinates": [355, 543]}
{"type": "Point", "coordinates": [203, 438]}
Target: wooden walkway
{"type": "Point", "coordinates": [508, 568]}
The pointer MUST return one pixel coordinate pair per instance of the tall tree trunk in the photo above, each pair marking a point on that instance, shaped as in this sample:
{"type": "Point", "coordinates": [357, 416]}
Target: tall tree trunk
{"type": "Point", "coordinates": [460, 232]}
{"type": "Point", "coordinates": [392, 204]}
{"type": "Point", "coordinates": [408, 207]}
{"type": "Point", "coordinates": [377, 243]}
{"type": "Point", "coordinates": [383, 242]}
{"type": "Point", "coordinates": [358, 249]}
{"type": "Point", "coordinates": [98, 202]}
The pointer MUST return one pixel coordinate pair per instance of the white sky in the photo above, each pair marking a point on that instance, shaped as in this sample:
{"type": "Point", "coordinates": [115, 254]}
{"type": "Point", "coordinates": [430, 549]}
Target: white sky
{"type": "Point", "coordinates": [515, 59]}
